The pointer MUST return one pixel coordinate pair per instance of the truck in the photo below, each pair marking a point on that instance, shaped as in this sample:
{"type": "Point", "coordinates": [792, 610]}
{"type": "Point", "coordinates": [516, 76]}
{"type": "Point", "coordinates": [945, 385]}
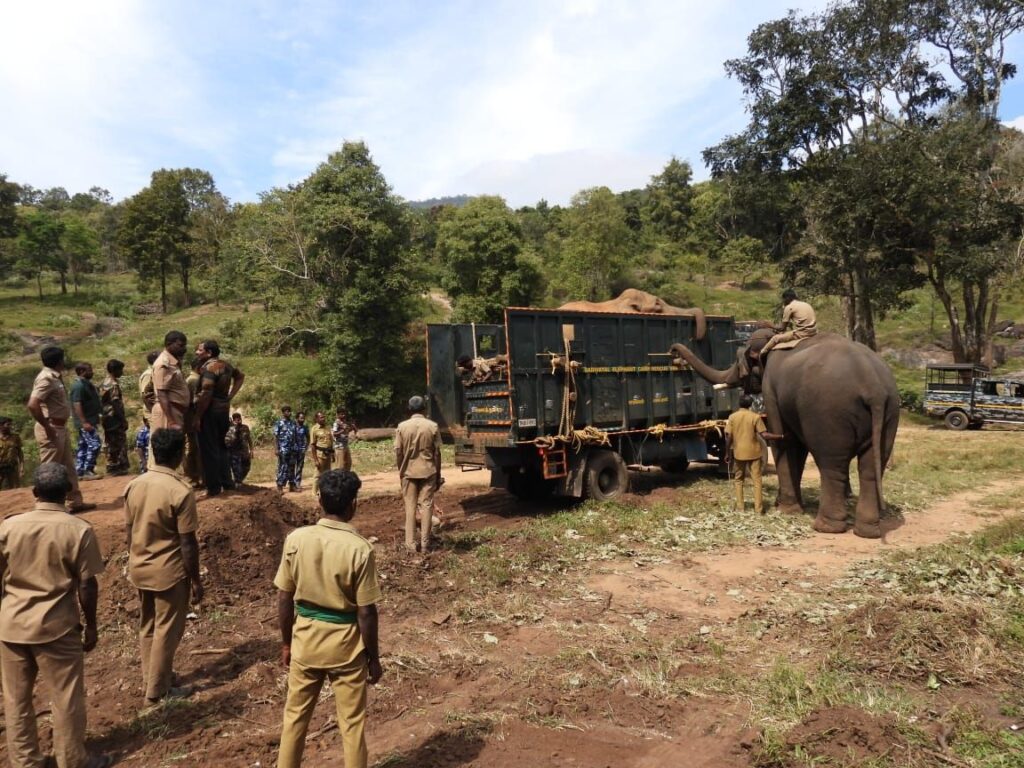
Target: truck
{"type": "Point", "coordinates": [562, 402]}
{"type": "Point", "coordinates": [967, 396]}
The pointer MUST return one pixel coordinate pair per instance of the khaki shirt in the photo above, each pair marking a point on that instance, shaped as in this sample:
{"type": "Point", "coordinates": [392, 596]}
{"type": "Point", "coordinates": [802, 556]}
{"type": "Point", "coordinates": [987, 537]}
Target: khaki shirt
{"type": "Point", "coordinates": [159, 506]}
{"type": "Point", "coordinates": [799, 315]}
{"type": "Point", "coordinates": [146, 390]}
{"type": "Point", "coordinates": [418, 448]}
{"type": "Point", "coordinates": [328, 565]}
{"type": "Point", "coordinates": [743, 428]}
{"type": "Point", "coordinates": [45, 555]}
{"type": "Point", "coordinates": [321, 438]}
{"type": "Point", "coordinates": [48, 389]}
{"type": "Point", "coordinates": [168, 378]}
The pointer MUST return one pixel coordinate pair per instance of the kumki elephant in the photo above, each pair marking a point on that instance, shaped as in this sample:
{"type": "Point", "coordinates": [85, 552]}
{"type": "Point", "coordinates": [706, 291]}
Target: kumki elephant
{"type": "Point", "coordinates": [635, 300]}
{"type": "Point", "coordinates": [829, 396]}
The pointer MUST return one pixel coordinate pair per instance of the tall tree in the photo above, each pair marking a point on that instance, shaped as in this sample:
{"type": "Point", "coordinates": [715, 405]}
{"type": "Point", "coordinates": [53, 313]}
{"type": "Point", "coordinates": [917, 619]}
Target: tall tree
{"type": "Point", "coordinates": [9, 196]}
{"type": "Point", "coordinates": [595, 249]}
{"type": "Point", "coordinates": [154, 232]}
{"type": "Point", "coordinates": [481, 251]}
{"type": "Point", "coordinates": [670, 200]}
{"type": "Point", "coordinates": [38, 244]}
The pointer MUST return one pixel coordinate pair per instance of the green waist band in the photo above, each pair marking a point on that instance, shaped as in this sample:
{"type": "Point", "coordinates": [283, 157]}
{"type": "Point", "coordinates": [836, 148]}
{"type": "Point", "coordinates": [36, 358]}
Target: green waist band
{"type": "Point", "coordinates": [319, 613]}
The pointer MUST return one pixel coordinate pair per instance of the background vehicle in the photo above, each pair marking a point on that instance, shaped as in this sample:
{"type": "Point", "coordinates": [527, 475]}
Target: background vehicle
{"type": "Point", "coordinates": [579, 396]}
{"type": "Point", "coordinates": [966, 396]}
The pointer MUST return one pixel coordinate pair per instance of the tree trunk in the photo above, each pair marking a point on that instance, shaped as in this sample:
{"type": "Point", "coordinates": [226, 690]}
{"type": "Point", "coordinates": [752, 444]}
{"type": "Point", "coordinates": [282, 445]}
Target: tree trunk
{"type": "Point", "coordinates": [864, 315]}
{"type": "Point", "coordinates": [163, 287]}
{"type": "Point", "coordinates": [184, 286]}
{"type": "Point", "coordinates": [63, 282]}
{"type": "Point", "coordinates": [39, 283]}
{"type": "Point", "coordinates": [938, 281]}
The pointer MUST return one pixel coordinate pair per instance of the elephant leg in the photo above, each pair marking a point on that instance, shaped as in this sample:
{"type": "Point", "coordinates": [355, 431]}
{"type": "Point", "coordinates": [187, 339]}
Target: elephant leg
{"type": "Point", "coordinates": [832, 514]}
{"type": "Point", "coordinates": [789, 466]}
{"type": "Point", "coordinates": [866, 519]}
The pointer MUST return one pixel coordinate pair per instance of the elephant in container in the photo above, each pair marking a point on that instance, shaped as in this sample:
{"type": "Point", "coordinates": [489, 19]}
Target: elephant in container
{"type": "Point", "coordinates": [829, 396]}
{"type": "Point", "coordinates": [635, 300]}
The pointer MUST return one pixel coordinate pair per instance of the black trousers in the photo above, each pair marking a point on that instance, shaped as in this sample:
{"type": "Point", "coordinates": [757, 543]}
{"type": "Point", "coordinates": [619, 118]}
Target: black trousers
{"type": "Point", "coordinates": [216, 461]}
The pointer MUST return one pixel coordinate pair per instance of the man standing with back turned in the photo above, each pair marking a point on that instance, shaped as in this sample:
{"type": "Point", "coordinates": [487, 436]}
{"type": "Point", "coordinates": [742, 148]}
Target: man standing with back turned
{"type": "Point", "coordinates": [163, 560]}
{"type": "Point", "coordinates": [220, 383]}
{"type": "Point", "coordinates": [49, 406]}
{"type": "Point", "coordinates": [418, 455]}
{"type": "Point", "coordinates": [45, 601]}
{"type": "Point", "coordinates": [327, 610]}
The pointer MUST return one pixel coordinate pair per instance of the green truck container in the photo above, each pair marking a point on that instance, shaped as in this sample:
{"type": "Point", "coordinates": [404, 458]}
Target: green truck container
{"type": "Point", "coordinates": [577, 397]}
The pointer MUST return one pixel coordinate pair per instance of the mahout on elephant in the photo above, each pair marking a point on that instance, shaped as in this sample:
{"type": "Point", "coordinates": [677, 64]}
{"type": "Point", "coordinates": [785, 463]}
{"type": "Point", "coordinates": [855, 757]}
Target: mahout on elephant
{"type": "Point", "coordinates": [831, 397]}
{"type": "Point", "coordinates": [635, 300]}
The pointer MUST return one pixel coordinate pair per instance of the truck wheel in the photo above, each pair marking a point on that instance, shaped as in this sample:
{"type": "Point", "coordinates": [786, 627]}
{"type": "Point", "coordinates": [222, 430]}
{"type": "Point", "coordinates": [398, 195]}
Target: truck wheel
{"type": "Point", "coordinates": [607, 477]}
{"type": "Point", "coordinates": [676, 466]}
{"type": "Point", "coordinates": [957, 420]}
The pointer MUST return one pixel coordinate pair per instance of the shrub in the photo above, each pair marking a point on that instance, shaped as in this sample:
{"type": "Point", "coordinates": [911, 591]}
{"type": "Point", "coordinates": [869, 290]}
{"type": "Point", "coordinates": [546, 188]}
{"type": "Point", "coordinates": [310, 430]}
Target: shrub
{"type": "Point", "coordinates": [911, 400]}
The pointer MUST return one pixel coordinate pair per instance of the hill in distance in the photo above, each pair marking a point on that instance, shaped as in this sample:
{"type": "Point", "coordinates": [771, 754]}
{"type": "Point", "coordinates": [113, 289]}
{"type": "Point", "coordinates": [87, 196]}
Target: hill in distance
{"type": "Point", "coordinates": [457, 200]}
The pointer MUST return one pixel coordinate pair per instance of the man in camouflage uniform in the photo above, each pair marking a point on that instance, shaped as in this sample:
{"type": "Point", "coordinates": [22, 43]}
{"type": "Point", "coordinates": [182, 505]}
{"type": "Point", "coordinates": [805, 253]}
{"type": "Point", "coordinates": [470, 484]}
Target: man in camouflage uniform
{"type": "Point", "coordinates": [12, 459]}
{"type": "Point", "coordinates": [238, 441]}
{"type": "Point", "coordinates": [286, 440]}
{"type": "Point", "coordinates": [341, 430]}
{"type": "Point", "coordinates": [301, 444]}
{"type": "Point", "coordinates": [86, 408]}
{"type": "Point", "coordinates": [114, 420]}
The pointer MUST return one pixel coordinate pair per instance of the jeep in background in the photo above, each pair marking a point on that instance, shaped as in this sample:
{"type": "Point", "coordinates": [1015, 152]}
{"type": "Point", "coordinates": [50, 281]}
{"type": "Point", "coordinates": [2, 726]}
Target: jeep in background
{"type": "Point", "coordinates": [968, 396]}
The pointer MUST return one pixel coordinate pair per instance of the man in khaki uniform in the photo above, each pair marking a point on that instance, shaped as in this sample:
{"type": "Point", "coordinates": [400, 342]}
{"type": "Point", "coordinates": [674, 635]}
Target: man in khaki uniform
{"type": "Point", "coordinates": [742, 444]}
{"type": "Point", "coordinates": [321, 445]}
{"type": "Point", "coordinates": [327, 594]}
{"type": "Point", "coordinates": [41, 623]}
{"type": "Point", "coordinates": [418, 455]}
{"type": "Point", "coordinates": [51, 409]}
{"type": "Point", "coordinates": [172, 394]}
{"type": "Point", "coordinates": [163, 559]}
{"type": "Point", "coordinates": [146, 384]}
{"type": "Point", "coordinates": [798, 322]}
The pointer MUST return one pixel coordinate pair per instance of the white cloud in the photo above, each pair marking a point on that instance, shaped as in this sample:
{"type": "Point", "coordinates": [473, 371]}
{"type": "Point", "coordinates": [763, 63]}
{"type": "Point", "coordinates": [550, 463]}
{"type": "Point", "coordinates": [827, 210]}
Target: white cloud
{"type": "Point", "coordinates": [1017, 122]}
{"type": "Point", "coordinates": [95, 94]}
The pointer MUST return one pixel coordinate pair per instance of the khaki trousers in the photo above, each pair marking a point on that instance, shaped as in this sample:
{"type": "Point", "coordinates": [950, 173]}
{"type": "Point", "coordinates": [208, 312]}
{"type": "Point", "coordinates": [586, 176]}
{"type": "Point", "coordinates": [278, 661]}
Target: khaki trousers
{"type": "Point", "coordinates": [782, 338]}
{"type": "Point", "coordinates": [59, 451]}
{"type": "Point", "coordinates": [740, 470]}
{"type": "Point", "coordinates": [304, 684]}
{"type": "Point", "coordinates": [61, 665]}
{"type": "Point", "coordinates": [158, 419]}
{"type": "Point", "coordinates": [323, 462]}
{"type": "Point", "coordinates": [161, 626]}
{"type": "Point", "coordinates": [418, 493]}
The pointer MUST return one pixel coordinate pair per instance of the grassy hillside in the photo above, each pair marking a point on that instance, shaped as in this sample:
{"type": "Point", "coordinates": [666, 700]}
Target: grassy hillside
{"type": "Point", "coordinates": [109, 317]}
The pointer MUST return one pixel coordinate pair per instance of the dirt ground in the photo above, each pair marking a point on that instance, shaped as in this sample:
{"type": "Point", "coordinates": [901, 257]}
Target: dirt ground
{"type": "Point", "coordinates": [463, 689]}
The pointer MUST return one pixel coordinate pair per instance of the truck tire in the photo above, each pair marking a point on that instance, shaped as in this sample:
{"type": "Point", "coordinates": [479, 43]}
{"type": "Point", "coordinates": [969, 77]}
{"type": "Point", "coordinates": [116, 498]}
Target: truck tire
{"type": "Point", "coordinates": [957, 420]}
{"type": "Point", "coordinates": [607, 477]}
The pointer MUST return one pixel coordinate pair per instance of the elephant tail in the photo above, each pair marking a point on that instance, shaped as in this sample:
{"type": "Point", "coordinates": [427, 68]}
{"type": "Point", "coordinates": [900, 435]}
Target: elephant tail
{"type": "Point", "coordinates": [877, 422]}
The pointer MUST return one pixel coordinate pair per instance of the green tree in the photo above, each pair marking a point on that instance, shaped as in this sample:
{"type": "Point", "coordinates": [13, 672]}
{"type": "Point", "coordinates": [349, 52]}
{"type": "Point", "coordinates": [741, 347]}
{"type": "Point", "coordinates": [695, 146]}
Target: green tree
{"type": "Point", "coordinates": [670, 200]}
{"type": "Point", "coordinates": [594, 251]}
{"type": "Point", "coordinates": [9, 194]}
{"type": "Point", "coordinates": [480, 248]}
{"type": "Point", "coordinates": [154, 232]}
{"type": "Point", "coordinates": [79, 248]}
{"type": "Point", "coordinates": [38, 244]}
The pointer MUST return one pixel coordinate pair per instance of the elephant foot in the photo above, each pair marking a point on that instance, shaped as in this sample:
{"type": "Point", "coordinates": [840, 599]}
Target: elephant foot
{"type": "Point", "coordinates": [824, 525]}
{"type": "Point", "coordinates": [868, 530]}
{"type": "Point", "coordinates": [790, 508]}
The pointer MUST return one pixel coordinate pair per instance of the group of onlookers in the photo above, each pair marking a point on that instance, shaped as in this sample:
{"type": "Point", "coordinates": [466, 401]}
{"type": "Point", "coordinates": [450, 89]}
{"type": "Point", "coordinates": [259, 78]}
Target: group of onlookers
{"type": "Point", "coordinates": [293, 437]}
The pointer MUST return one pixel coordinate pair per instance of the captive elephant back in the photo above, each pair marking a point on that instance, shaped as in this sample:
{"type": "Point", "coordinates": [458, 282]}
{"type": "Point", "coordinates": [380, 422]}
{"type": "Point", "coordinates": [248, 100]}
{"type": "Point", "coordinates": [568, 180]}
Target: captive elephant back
{"type": "Point", "coordinates": [838, 397]}
{"type": "Point", "coordinates": [635, 300]}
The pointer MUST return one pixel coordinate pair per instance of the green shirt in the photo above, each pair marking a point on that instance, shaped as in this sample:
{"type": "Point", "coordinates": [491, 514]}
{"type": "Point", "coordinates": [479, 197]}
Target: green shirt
{"type": "Point", "coordinates": [84, 391]}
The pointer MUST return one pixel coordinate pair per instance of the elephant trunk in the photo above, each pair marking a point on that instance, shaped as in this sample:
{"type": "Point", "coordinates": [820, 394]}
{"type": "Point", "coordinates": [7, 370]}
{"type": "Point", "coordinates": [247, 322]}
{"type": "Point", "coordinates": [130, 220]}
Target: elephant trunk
{"type": "Point", "coordinates": [729, 376]}
{"type": "Point", "coordinates": [700, 321]}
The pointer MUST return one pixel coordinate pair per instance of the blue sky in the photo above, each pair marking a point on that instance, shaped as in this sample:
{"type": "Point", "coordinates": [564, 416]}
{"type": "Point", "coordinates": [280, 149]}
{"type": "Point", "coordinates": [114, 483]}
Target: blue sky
{"type": "Point", "coordinates": [526, 99]}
